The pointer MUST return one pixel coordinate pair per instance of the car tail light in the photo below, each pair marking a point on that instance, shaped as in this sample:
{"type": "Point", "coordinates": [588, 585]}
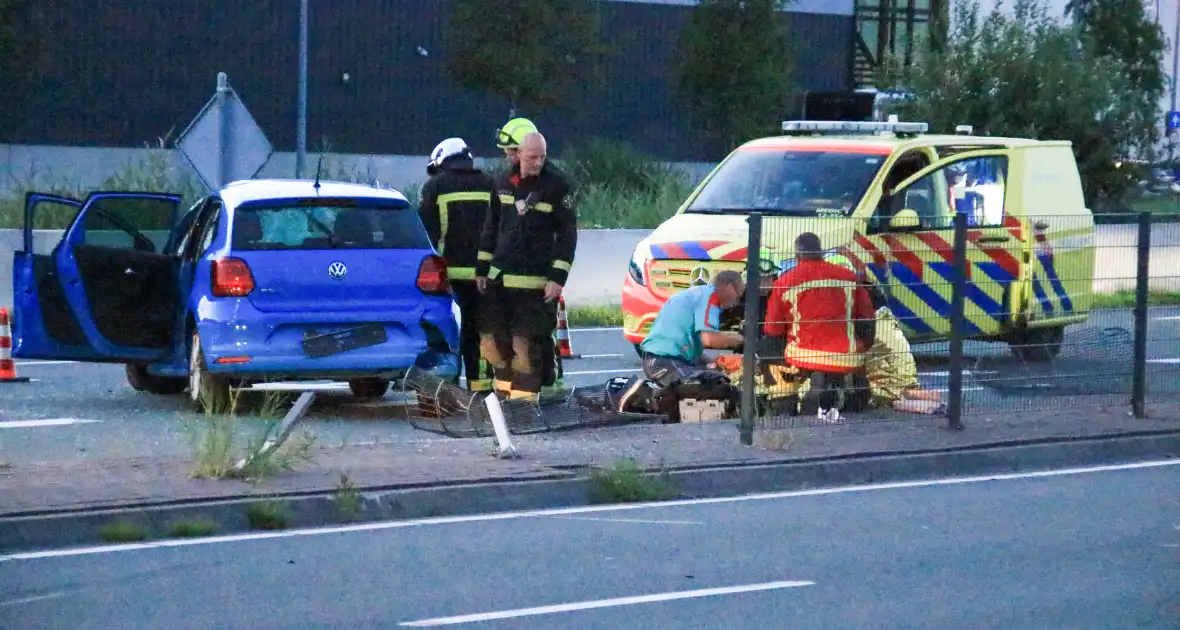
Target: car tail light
{"type": "Point", "coordinates": [432, 276]}
{"type": "Point", "coordinates": [232, 278]}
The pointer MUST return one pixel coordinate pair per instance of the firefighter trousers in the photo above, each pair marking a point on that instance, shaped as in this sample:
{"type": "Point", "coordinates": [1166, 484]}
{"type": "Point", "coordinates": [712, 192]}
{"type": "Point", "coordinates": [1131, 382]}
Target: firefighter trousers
{"type": "Point", "coordinates": [516, 334]}
{"type": "Point", "coordinates": [477, 370]}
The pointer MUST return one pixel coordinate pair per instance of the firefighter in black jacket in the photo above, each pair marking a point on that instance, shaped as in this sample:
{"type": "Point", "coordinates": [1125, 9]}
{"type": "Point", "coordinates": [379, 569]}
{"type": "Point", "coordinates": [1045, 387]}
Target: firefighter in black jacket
{"type": "Point", "coordinates": [524, 260]}
{"type": "Point", "coordinates": [454, 205]}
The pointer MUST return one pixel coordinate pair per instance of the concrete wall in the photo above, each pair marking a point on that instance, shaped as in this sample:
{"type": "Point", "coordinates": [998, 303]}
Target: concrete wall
{"type": "Point", "coordinates": [602, 257]}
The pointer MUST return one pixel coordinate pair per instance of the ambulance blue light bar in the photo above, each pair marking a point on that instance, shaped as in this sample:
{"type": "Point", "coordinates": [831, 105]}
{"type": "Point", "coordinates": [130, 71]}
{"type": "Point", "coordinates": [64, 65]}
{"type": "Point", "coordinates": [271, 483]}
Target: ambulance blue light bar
{"type": "Point", "coordinates": [834, 126]}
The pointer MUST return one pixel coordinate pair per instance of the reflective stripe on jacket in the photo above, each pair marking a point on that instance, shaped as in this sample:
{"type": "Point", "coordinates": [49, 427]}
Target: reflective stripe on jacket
{"type": "Point", "coordinates": [816, 306]}
{"type": "Point", "coordinates": [454, 207]}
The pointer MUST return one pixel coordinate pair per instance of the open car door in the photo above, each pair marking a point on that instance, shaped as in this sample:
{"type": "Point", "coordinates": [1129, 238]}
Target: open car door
{"type": "Point", "coordinates": [920, 240]}
{"type": "Point", "coordinates": [107, 291]}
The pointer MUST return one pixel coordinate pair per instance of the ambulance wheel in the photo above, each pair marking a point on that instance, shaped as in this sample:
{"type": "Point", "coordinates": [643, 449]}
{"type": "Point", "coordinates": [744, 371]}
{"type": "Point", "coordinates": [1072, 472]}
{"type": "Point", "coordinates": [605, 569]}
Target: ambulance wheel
{"type": "Point", "coordinates": [141, 381]}
{"type": "Point", "coordinates": [368, 387]}
{"type": "Point", "coordinates": [1038, 345]}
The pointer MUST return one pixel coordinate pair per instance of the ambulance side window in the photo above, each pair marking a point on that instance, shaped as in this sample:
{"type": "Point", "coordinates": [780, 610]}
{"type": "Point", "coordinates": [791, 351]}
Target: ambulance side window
{"type": "Point", "coordinates": [903, 169]}
{"type": "Point", "coordinates": [974, 186]}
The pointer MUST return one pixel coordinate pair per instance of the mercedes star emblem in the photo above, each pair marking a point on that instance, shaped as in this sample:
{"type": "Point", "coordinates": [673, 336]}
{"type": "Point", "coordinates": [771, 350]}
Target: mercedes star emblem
{"type": "Point", "coordinates": [337, 270]}
{"type": "Point", "coordinates": [699, 276]}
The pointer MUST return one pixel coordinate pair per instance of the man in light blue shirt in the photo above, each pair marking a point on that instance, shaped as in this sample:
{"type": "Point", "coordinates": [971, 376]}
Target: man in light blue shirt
{"type": "Point", "coordinates": [687, 324]}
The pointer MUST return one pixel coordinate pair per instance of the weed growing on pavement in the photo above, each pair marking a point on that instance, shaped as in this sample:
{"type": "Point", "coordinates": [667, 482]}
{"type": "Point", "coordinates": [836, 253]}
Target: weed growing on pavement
{"type": "Point", "coordinates": [346, 497]}
{"type": "Point", "coordinates": [192, 529]}
{"type": "Point", "coordinates": [123, 532]}
{"type": "Point", "coordinates": [774, 439]}
{"type": "Point", "coordinates": [267, 515]}
{"type": "Point", "coordinates": [627, 483]}
{"type": "Point", "coordinates": [220, 441]}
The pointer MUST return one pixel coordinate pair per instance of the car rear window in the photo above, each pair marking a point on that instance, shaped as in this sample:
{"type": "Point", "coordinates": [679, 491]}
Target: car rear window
{"type": "Point", "coordinates": [335, 224]}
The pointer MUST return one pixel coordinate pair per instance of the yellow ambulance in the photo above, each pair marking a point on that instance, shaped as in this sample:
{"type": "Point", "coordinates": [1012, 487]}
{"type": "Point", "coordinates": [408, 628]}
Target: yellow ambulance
{"type": "Point", "coordinates": [884, 195]}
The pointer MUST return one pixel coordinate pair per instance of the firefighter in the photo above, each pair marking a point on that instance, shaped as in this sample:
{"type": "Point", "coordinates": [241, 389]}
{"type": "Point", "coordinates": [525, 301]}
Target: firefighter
{"type": "Point", "coordinates": [454, 205]}
{"type": "Point", "coordinates": [525, 257]}
{"type": "Point", "coordinates": [508, 138]}
{"type": "Point", "coordinates": [825, 316]}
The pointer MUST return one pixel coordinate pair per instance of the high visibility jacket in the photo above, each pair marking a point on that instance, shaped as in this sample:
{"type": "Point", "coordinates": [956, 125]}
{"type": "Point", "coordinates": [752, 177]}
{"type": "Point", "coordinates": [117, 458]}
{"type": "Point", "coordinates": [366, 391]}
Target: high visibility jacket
{"type": "Point", "coordinates": [528, 243]}
{"type": "Point", "coordinates": [454, 206]}
{"type": "Point", "coordinates": [818, 308]}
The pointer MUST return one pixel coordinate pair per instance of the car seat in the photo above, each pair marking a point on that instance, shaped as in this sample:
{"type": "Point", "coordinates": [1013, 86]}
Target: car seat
{"type": "Point", "coordinates": [247, 230]}
{"type": "Point", "coordinates": [353, 227]}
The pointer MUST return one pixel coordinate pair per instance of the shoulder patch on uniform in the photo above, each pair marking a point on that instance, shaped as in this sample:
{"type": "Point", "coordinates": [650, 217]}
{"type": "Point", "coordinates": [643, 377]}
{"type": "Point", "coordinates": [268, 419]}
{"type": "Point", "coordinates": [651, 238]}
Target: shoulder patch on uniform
{"type": "Point", "coordinates": [568, 201]}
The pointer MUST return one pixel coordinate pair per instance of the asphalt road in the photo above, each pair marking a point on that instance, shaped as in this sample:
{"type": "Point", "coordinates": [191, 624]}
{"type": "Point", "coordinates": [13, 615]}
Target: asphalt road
{"type": "Point", "coordinates": [1074, 549]}
{"type": "Point", "coordinates": [74, 410]}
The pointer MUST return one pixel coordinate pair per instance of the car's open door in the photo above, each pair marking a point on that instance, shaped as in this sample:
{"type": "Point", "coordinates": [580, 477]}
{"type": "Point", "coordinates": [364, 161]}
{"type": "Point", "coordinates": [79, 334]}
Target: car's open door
{"type": "Point", "coordinates": [43, 325]}
{"type": "Point", "coordinates": [111, 294]}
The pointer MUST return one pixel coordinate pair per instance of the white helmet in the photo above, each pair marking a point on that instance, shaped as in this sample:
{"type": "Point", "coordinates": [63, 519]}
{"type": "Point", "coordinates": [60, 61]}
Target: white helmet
{"type": "Point", "coordinates": [445, 149]}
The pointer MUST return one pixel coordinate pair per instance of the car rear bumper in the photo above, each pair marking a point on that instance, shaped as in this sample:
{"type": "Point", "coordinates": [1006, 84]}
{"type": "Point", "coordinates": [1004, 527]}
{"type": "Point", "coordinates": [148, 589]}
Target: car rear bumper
{"type": "Point", "coordinates": [241, 341]}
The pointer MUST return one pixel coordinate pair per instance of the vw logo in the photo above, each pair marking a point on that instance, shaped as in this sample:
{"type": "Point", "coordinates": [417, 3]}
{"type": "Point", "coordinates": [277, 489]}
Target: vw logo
{"type": "Point", "coordinates": [337, 270]}
{"type": "Point", "coordinates": [699, 276]}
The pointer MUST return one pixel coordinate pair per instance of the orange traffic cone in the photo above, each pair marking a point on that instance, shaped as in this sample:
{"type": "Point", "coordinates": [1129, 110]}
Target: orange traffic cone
{"type": "Point", "coordinates": [7, 365]}
{"type": "Point", "coordinates": [563, 332]}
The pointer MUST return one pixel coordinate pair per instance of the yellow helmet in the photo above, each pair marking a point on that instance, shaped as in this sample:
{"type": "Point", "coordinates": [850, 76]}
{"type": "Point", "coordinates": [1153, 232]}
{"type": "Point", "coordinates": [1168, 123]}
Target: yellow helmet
{"type": "Point", "coordinates": [840, 259]}
{"type": "Point", "coordinates": [513, 131]}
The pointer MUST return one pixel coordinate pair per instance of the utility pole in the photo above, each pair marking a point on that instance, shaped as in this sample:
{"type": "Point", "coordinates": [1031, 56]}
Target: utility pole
{"type": "Point", "coordinates": [301, 115]}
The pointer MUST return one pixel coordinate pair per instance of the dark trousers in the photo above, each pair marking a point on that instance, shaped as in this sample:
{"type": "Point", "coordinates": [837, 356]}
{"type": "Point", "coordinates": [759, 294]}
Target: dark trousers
{"type": "Point", "coordinates": [516, 333]}
{"type": "Point", "coordinates": [478, 371]}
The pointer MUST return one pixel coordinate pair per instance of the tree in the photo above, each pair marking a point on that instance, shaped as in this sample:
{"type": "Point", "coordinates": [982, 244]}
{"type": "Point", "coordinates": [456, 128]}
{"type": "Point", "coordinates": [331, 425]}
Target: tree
{"type": "Point", "coordinates": [1121, 30]}
{"type": "Point", "coordinates": [734, 68]}
{"type": "Point", "coordinates": [1024, 74]}
{"type": "Point", "coordinates": [528, 52]}
{"type": "Point", "coordinates": [15, 47]}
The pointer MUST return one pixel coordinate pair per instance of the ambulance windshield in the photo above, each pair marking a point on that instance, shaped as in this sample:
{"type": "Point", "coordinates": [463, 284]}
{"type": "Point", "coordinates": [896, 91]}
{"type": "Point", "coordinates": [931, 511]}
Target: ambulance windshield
{"type": "Point", "coordinates": [790, 182]}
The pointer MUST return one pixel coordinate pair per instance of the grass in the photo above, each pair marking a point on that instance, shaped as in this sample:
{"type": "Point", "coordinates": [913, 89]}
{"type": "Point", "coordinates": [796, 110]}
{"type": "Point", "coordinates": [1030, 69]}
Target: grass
{"type": "Point", "coordinates": [625, 482]}
{"type": "Point", "coordinates": [267, 515]}
{"type": "Point", "coordinates": [1126, 299]}
{"type": "Point", "coordinates": [605, 315]}
{"type": "Point", "coordinates": [192, 529]}
{"type": "Point", "coordinates": [123, 532]}
{"type": "Point", "coordinates": [220, 441]}
{"type": "Point", "coordinates": [346, 497]}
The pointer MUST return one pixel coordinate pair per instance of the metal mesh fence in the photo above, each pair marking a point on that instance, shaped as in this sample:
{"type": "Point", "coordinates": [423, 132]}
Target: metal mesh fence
{"type": "Point", "coordinates": [1030, 314]}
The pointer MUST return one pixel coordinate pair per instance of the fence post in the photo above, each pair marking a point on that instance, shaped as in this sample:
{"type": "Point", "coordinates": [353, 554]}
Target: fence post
{"type": "Point", "coordinates": [750, 327]}
{"type": "Point", "coordinates": [1142, 275]}
{"type": "Point", "coordinates": [958, 293]}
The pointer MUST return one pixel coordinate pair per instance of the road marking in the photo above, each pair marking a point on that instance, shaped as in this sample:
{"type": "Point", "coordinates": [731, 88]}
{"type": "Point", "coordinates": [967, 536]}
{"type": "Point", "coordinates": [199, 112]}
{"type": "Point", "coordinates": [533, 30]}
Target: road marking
{"type": "Point", "coordinates": [1169, 318]}
{"type": "Point", "coordinates": [284, 387]}
{"type": "Point", "coordinates": [36, 363]}
{"type": "Point", "coordinates": [599, 356]}
{"type": "Point", "coordinates": [589, 509]}
{"type": "Point", "coordinates": [1169, 361]}
{"type": "Point", "coordinates": [945, 373]}
{"type": "Point", "coordinates": [606, 329]}
{"type": "Point", "coordinates": [627, 520]}
{"type": "Point", "coordinates": [50, 422]}
{"type": "Point", "coordinates": [35, 598]}
{"type": "Point", "coordinates": [603, 603]}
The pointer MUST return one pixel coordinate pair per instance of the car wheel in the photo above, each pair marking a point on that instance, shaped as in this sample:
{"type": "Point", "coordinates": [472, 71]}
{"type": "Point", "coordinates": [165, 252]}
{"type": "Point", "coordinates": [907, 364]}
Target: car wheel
{"type": "Point", "coordinates": [141, 381]}
{"type": "Point", "coordinates": [207, 393]}
{"type": "Point", "coordinates": [1038, 345]}
{"type": "Point", "coordinates": [368, 387]}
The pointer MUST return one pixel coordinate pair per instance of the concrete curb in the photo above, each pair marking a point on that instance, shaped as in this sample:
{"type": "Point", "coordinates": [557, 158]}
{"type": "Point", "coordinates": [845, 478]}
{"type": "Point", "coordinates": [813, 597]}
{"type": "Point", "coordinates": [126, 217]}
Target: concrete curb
{"type": "Point", "coordinates": [572, 487]}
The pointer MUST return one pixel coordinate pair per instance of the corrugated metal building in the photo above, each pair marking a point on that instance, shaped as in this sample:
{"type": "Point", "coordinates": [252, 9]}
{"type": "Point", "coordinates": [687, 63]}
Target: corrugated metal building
{"type": "Point", "coordinates": [121, 73]}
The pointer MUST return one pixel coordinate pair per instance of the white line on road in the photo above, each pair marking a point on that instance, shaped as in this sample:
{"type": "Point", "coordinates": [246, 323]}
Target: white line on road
{"type": "Point", "coordinates": [602, 603]}
{"type": "Point", "coordinates": [587, 372]}
{"type": "Point", "coordinates": [606, 329]}
{"type": "Point", "coordinates": [1169, 318]}
{"type": "Point", "coordinates": [1169, 361]}
{"type": "Point", "coordinates": [35, 598]}
{"type": "Point", "coordinates": [282, 387]}
{"type": "Point", "coordinates": [37, 363]}
{"type": "Point", "coordinates": [599, 356]}
{"type": "Point", "coordinates": [591, 509]}
{"type": "Point", "coordinates": [49, 422]}
{"type": "Point", "coordinates": [627, 520]}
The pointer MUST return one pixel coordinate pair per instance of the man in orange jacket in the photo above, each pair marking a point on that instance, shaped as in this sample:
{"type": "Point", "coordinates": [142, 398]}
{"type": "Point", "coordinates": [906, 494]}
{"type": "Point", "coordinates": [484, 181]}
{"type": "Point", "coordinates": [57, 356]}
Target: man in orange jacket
{"type": "Point", "coordinates": [825, 316]}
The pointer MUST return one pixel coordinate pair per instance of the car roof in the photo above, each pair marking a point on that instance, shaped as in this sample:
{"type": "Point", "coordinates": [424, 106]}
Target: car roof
{"type": "Point", "coordinates": [244, 191]}
{"type": "Point", "coordinates": [884, 145]}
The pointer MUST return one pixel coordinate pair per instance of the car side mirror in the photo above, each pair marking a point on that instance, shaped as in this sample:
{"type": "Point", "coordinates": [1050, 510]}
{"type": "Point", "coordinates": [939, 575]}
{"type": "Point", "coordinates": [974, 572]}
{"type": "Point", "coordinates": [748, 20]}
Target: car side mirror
{"type": "Point", "coordinates": [904, 220]}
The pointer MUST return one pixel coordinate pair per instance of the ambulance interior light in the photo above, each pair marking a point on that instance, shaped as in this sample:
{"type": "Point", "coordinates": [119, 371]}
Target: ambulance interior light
{"type": "Point", "coordinates": [820, 126]}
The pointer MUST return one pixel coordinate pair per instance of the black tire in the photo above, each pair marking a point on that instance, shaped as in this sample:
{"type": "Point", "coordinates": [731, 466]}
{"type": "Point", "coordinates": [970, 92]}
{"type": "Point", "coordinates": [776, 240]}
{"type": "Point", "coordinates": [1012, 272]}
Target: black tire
{"type": "Point", "coordinates": [207, 393]}
{"type": "Point", "coordinates": [369, 387]}
{"type": "Point", "coordinates": [141, 381]}
{"type": "Point", "coordinates": [1038, 345]}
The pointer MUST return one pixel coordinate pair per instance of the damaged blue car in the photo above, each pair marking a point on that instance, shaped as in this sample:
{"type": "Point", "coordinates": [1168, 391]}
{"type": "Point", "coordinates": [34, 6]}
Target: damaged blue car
{"type": "Point", "coordinates": [265, 280]}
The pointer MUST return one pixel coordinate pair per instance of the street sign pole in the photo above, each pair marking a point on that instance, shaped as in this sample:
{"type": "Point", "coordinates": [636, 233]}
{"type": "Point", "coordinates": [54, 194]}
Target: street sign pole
{"type": "Point", "coordinates": [223, 125]}
{"type": "Point", "coordinates": [1175, 60]}
{"type": "Point", "coordinates": [301, 122]}
{"type": "Point", "coordinates": [224, 143]}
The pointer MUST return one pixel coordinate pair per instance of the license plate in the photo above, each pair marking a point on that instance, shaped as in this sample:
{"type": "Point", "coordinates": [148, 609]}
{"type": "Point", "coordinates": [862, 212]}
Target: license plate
{"type": "Point", "coordinates": [316, 344]}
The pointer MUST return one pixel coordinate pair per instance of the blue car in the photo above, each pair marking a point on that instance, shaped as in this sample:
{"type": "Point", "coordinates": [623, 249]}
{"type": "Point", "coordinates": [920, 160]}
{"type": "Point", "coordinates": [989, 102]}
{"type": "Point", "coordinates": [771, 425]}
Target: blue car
{"type": "Point", "coordinates": [265, 280]}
